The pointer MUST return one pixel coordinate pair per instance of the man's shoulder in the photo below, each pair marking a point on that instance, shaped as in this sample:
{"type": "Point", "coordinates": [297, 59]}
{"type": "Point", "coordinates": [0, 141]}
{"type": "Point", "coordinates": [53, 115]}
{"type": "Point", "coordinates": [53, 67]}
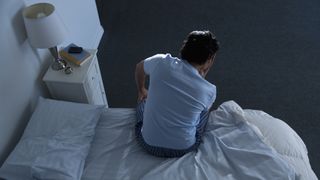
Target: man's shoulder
{"type": "Point", "coordinates": [208, 87]}
{"type": "Point", "coordinates": [212, 92]}
{"type": "Point", "coordinates": [204, 83]}
{"type": "Point", "coordinates": [212, 86]}
{"type": "Point", "coordinates": [162, 59]}
{"type": "Point", "coordinates": [161, 56]}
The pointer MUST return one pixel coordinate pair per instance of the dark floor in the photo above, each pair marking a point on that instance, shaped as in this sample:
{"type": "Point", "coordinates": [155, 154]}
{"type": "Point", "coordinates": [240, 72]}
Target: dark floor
{"type": "Point", "coordinates": [269, 58]}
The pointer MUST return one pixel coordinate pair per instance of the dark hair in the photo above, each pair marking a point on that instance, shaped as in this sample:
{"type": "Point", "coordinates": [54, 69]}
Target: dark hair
{"type": "Point", "coordinates": [199, 47]}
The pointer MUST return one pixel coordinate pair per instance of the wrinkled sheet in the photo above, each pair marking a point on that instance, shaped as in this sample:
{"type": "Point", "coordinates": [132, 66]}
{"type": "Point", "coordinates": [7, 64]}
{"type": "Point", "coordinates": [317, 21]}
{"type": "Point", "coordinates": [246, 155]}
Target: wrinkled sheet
{"type": "Point", "coordinates": [231, 150]}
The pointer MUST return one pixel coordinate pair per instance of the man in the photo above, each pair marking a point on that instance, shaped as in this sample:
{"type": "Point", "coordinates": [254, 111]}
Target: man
{"type": "Point", "coordinates": [173, 112]}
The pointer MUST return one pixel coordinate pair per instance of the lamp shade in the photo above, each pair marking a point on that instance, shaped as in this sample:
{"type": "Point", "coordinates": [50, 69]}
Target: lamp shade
{"type": "Point", "coordinates": [44, 27]}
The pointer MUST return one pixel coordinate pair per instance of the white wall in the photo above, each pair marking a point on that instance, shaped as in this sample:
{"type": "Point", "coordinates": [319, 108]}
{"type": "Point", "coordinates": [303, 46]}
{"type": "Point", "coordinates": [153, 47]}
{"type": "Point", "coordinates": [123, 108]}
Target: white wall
{"type": "Point", "coordinates": [22, 67]}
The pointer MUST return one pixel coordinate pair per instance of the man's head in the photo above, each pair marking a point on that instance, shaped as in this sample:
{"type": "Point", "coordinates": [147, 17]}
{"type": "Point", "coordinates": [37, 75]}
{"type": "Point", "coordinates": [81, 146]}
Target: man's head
{"type": "Point", "coordinates": [199, 47]}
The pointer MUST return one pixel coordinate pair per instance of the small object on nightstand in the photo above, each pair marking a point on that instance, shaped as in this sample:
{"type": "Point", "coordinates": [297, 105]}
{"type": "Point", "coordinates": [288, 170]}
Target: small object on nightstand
{"type": "Point", "coordinates": [59, 64]}
{"type": "Point", "coordinates": [74, 49]}
{"type": "Point", "coordinates": [77, 58]}
{"type": "Point", "coordinates": [68, 70]}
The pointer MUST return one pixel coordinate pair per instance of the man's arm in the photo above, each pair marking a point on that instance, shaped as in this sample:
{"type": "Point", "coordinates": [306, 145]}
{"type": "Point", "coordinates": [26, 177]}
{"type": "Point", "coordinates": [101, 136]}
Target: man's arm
{"type": "Point", "coordinates": [140, 77]}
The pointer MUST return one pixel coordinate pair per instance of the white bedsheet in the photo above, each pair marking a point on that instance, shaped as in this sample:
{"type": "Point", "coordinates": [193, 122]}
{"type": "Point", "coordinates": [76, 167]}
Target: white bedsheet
{"type": "Point", "coordinates": [231, 150]}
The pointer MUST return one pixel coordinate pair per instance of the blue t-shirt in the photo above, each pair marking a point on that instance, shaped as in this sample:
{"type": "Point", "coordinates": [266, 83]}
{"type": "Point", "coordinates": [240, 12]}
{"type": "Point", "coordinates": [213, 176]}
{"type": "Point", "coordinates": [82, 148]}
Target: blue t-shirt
{"type": "Point", "coordinates": [177, 95]}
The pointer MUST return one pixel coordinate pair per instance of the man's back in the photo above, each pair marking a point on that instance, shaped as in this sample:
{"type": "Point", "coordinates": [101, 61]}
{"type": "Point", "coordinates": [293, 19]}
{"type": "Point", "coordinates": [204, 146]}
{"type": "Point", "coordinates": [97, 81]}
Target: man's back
{"type": "Point", "coordinates": [176, 97]}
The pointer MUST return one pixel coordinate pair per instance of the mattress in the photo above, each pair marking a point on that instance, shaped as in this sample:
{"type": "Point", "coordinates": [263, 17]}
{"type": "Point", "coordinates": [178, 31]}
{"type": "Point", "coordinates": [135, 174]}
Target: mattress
{"type": "Point", "coordinates": [237, 144]}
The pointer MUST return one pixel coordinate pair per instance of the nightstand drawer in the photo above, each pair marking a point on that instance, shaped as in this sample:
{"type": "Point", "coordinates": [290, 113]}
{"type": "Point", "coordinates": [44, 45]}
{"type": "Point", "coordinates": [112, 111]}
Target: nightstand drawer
{"type": "Point", "coordinates": [92, 83]}
{"type": "Point", "coordinates": [97, 98]}
{"type": "Point", "coordinates": [92, 79]}
{"type": "Point", "coordinates": [96, 93]}
{"type": "Point", "coordinates": [67, 91]}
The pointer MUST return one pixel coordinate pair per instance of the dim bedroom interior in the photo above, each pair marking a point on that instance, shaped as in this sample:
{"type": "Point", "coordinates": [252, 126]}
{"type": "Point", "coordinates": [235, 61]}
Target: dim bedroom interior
{"type": "Point", "coordinates": [57, 124]}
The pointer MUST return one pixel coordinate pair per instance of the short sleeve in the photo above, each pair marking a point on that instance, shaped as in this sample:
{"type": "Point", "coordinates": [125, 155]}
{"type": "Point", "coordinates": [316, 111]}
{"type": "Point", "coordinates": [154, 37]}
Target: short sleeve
{"type": "Point", "coordinates": [151, 62]}
{"type": "Point", "coordinates": [213, 97]}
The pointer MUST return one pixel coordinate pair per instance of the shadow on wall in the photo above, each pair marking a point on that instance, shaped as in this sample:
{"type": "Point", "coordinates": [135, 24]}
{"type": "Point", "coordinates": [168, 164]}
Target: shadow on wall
{"type": "Point", "coordinates": [18, 26]}
{"type": "Point", "coordinates": [21, 70]}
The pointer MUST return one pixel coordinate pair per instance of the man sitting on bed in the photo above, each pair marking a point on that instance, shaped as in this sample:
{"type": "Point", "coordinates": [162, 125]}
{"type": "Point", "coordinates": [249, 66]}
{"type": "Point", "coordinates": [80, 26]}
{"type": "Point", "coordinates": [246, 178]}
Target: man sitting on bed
{"type": "Point", "coordinates": [173, 112]}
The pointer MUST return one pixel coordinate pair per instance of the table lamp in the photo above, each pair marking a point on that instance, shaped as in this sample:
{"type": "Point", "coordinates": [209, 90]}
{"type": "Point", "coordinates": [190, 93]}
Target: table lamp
{"type": "Point", "coordinates": [45, 30]}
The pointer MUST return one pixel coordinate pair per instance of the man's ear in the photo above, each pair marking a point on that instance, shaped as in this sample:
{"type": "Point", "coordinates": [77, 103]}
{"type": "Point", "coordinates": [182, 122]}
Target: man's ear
{"type": "Point", "coordinates": [213, 56]}
{"type": "Point", "coordinates": [209, 61]}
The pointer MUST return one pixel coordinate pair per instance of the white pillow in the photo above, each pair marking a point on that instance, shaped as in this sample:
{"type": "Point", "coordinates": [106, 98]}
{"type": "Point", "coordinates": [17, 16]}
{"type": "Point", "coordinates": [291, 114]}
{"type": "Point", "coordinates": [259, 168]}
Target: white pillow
{"type": "Point", "coordinates": [277, 133]}
{"type": "Point", "coordinates": [280, 136]}
{"type": "Point", "coordinates": [274, 132]}
{"type": "Point", "coordinates": [55, 143]}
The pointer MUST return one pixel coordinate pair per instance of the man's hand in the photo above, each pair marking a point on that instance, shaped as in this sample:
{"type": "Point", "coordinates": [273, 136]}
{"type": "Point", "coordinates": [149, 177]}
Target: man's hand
{"type": "Point", "coordinates": [142, 94]}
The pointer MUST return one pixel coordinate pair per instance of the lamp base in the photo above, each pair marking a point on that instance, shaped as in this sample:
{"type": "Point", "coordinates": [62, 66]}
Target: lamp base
{"type": "Point", "coordinates": [59, 64]}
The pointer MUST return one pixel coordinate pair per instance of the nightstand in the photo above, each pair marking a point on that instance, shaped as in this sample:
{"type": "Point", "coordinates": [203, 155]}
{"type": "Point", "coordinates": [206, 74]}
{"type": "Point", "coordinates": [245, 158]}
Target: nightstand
{"type": "Point", "coordinates": [83, 85]}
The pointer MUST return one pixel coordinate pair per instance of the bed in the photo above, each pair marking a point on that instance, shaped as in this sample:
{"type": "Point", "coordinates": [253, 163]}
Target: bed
{"type": "Point", "coordinates": [65, 140]}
